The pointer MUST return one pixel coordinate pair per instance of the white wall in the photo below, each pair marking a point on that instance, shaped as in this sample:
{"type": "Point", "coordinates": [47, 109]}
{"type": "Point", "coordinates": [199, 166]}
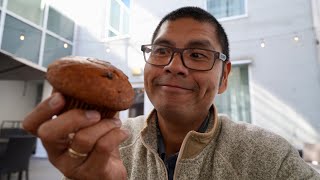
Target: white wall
{"type": "Point", "coordinates": [316, 25]}
{"type": "Point", "coordinates": [17, 99]}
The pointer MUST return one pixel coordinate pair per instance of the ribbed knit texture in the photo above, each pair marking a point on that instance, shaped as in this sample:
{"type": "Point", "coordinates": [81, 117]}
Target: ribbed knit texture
{"type": "Point", "coordinates": [227, 151]}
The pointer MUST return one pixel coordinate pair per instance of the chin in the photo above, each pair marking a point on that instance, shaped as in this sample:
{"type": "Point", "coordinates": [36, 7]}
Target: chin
{"type": "Point", "coordinates": [173, 109]}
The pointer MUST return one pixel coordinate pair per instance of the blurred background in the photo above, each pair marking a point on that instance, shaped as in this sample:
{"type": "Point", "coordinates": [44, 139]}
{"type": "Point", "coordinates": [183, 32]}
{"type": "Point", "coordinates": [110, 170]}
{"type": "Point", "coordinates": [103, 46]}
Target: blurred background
{"type": "Point", "coordinates": [274, 48]}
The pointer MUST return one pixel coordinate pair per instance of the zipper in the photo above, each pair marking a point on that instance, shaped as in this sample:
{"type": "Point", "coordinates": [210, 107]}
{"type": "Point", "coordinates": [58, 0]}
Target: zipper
{"type": "Point", "coordinates": [157, 157]}
{"type": "Point", "coordinates": [180, 153]}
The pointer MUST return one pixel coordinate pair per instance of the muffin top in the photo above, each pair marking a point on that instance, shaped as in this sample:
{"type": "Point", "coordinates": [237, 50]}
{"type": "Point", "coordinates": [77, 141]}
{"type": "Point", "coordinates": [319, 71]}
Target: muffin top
{"type": "Point", "coordinates": [92, 81]}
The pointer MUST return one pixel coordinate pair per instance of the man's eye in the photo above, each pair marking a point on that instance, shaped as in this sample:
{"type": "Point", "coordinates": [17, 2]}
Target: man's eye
{"type": "Point", "coordinates": [197, 55]}
{"type": "Point", "coordinates": [161, 51]}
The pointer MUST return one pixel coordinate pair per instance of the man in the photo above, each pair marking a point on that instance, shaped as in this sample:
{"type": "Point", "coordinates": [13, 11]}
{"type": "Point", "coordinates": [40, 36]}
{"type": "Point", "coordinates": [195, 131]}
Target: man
{"type": "Point", "coordinates": [183, 137]}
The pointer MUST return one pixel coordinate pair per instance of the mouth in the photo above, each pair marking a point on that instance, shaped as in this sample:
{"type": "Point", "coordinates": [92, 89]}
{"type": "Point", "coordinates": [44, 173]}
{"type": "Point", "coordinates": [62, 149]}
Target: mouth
{"type": "Point", "coordinates": [174, 86]}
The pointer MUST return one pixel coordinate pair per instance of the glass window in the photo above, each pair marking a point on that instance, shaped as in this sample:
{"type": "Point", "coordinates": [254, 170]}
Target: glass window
{"type": "Point", "coordinates": [138, 105]}
{"type": "Point", "coordinates": [21, 39]}
{"type": "Point", "coordinates": [235, 102]}
{"type": "Point", "coordinates": [30, 9]}
{"type": "Point", "coordinates": [111, 34]}
{"type": "Point", "coordinates": [226, 8]}
{"type": "Point", "coordinates": [119, 19]}
{"type": "Point", "coordinates": [1, 1]}
{"type": "Point", "coordinates": [125, 27]}
{"type": "Point", "coordinates": [54, 49]}
{"type": "Point", "coordinates": [114, 15]}
{"type": "Point", "coordinates": [126, 2]}
{"type": "Point", "coordinates": [60, 24]}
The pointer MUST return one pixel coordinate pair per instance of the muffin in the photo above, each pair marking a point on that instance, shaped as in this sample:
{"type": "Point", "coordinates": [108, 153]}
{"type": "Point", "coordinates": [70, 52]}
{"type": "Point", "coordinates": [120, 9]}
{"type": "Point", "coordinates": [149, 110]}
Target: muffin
{"type": "Point", "coordinates": [90, 83]}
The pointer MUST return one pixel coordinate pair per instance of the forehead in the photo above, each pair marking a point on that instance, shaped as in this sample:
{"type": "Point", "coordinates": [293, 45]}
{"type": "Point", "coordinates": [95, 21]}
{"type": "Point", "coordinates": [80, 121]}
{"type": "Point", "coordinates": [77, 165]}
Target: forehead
{"type": "Point", "coordinates": [183, 31]}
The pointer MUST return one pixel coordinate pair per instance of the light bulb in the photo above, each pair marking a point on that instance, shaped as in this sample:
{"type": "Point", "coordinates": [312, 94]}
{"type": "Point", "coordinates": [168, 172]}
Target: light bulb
{"type": "Point", "coordinates": [65, 45]}
{"type": "Point", "coordinates": [296, 38]}
{"type": "Point", "coordinates": [21, 37]}
{"type": "Point", "coordinates": [263, 44]}
{"type": "Point", "coordinates": [108, 50]}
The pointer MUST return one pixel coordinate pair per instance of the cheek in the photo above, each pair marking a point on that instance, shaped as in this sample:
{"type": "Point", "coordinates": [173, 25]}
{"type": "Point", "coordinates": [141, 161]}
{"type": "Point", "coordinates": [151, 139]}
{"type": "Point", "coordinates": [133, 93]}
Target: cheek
{"type": "Point", "coordinates": [209, 88]}
{"type": "Point", "coordinates": [149, 75]}
{"type": "Point", "coordinates": [146, 82]}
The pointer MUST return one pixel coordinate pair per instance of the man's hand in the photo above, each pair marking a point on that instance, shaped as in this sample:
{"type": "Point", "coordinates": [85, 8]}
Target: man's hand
{"type": "Point", "coordinates": [78, 142]}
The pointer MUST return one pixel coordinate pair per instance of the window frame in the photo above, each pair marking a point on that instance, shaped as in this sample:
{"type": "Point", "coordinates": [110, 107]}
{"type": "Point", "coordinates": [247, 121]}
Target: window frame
{"type": "Point", "coordinates": [229, 18]}
{"type": "Point", "coordinates": [247, 63]}
{"type": "Point", "coordinates": [118, 33]}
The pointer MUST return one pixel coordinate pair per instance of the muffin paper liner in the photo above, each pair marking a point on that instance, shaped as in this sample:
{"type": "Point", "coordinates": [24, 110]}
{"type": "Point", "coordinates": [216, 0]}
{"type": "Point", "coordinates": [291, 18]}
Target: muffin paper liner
{"type": "Point", "coordinates": [72, 103]}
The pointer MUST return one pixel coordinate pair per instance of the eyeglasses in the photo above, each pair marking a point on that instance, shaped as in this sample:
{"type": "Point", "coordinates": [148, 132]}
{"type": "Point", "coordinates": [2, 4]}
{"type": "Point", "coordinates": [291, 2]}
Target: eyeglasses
{"type": "Point", "coordinates": [192, 58]}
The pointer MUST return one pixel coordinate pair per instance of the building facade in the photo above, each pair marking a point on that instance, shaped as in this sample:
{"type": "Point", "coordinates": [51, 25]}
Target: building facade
{"type": "Point", "coordinates": [275, 54]}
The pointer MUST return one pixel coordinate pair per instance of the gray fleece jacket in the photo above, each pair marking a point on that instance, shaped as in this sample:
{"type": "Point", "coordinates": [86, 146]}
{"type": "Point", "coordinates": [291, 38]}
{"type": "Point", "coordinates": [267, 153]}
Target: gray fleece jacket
{"type": "Point", "coordinates": [226, 151]}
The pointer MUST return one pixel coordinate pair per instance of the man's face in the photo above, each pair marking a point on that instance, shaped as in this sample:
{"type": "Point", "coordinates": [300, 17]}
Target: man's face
{"type": "Point", "coordinates": [174, 88]}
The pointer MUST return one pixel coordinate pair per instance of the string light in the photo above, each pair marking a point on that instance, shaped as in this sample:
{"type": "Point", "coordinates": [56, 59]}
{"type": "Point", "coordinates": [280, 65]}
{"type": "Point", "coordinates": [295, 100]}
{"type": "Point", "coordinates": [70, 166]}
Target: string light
{"type": "Point", "coordinates": [263, 44]}
{"type": "Point", "coordinates": [296, 38]}
{"type": "Point", "coordinates": [65, 45]}
{"type": "Point", "coordinates": [22, 37]}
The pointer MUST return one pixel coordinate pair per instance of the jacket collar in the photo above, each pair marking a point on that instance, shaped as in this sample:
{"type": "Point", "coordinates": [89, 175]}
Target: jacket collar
{"type": "Point", "coordinates": [193, 143]}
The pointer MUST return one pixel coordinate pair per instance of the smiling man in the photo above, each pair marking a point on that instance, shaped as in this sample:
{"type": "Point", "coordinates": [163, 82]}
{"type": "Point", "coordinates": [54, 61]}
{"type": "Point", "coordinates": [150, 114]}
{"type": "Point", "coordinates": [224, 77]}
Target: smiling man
{"type": "Point", "coordinates": [182, 83]}
{"type": "Point", "coordinates": [187, 65]}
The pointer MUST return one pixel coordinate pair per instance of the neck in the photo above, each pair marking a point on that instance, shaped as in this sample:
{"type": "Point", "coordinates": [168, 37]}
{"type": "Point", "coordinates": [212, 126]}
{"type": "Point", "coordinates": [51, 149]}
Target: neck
{"type": "Point", "coordinates": [174, 129]}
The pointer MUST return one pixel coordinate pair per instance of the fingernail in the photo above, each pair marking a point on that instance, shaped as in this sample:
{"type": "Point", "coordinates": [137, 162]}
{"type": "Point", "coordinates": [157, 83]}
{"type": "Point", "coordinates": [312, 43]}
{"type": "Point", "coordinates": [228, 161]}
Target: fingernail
{"type": "Point", "coordinates": [117, 122]}
{"type": "Point", "coordinates": [55, 101]}
{"type": "Point", "coordinates": [93, 115]}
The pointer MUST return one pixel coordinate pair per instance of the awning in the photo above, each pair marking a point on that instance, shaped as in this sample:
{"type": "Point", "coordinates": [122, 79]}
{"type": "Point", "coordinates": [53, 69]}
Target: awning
{"type": "Point", "coordinates": [15, 68]}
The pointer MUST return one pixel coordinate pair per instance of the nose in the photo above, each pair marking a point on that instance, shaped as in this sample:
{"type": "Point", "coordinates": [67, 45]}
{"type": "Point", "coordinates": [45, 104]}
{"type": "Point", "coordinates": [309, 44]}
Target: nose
{"type": "Point", "coordinates": [176, 65]}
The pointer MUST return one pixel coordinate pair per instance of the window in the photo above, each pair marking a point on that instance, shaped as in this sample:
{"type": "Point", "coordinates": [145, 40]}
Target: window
{"type": "Point", "coordinates": [31, 9]}
{"type": "Point", "coordinates": [137, 108]}
{"type": "Point", "coordinates": [235, 102]}
{"type": "Point", "coordinates": [60, 24]}
{"type": "Point", "coordinates": [21, 39]}
{"type": "Point", "coordinates": [118, 21]}
{"type": "Point", "coordinates": [226, 8]}
{"type": "Point", "coordinates": [54, 49]}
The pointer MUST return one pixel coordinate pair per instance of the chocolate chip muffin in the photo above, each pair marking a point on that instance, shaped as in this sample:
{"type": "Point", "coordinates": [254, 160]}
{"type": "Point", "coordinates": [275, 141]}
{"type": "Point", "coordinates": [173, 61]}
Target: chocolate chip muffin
{"type": "Point", "coordinates": [90, 83]}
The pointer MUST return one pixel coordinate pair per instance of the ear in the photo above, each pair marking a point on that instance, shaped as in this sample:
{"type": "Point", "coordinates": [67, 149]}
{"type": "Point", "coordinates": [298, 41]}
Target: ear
{"type": "Point", "coordinates": [224, 79]}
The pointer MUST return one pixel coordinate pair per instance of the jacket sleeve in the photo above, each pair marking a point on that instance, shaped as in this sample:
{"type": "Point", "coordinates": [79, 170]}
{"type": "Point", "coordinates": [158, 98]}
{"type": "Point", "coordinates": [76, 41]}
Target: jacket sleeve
{"type": "Point", "coordinates": [294, 167]}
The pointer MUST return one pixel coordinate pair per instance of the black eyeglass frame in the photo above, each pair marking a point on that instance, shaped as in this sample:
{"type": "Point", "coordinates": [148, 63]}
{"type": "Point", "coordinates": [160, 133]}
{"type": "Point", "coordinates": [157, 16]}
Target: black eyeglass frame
{"type": "Point", "coordinates": [220, 56]}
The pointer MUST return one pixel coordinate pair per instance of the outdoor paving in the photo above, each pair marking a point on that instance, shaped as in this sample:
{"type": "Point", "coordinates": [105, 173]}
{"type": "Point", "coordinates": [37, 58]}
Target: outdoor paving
{"type": "Point", "coordinates": [41, 169]}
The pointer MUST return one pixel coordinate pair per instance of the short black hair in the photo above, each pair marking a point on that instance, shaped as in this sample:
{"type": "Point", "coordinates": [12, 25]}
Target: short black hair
{"type": "Point", "coordinates": [200, 15]}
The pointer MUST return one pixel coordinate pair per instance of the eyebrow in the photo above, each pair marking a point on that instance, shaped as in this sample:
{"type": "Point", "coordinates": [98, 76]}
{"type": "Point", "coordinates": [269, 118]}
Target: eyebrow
{"type": "Point", "coordinates": [164, 42]}
{"type": "Point", "coordinates": [200, 44]}
{"type": "Point", "coordinates": [205, 44]}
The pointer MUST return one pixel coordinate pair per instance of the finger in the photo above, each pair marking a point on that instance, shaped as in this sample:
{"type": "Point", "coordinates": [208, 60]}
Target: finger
{"type": "Point", "coordinates": [54, 134]}
{"type": "Point", "coordinates": [97, 159]}
{"type": "Point", "coordinates": [85, 139]}
{"type": "Point", "coordinates": [104, 160]}
{"type": "Point", "coordinates": [43, 112]}
{"type": "Point", "coordinates": [110, 141]}
{"type": "Point", "coordinates": [66, 123]}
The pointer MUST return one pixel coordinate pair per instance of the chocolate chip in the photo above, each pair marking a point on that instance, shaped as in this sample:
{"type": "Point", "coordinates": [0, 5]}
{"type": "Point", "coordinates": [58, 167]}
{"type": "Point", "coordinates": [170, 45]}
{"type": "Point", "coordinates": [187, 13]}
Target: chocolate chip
{"type": "Point", "coordinates": [108, 75]}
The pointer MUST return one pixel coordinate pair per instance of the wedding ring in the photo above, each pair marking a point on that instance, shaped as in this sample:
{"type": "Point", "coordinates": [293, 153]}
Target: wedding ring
{"type": "Point", "coordinates": [75, 154]}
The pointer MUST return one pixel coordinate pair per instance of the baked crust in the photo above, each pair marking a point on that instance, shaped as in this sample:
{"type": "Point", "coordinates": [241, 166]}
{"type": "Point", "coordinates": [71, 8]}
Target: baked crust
{"type": "Point", "coordinates": [92, 81]}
